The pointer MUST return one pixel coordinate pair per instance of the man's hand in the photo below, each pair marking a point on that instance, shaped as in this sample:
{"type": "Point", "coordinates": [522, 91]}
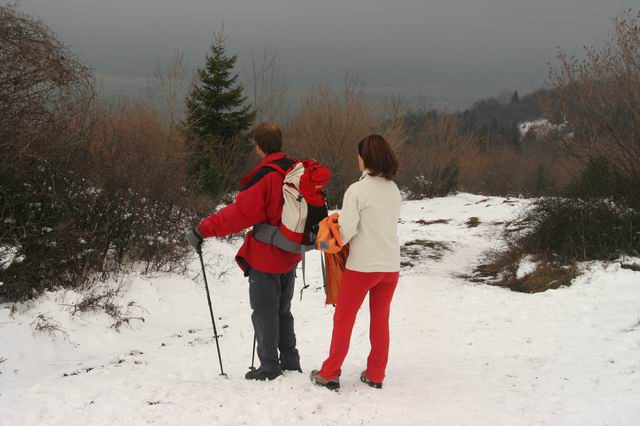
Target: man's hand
{"type": "Point", "coordinates": [195, 239]}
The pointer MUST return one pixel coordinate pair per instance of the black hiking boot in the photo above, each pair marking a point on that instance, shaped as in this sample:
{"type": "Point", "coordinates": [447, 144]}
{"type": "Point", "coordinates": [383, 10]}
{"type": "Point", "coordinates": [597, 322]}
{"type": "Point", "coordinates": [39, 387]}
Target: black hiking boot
{"type": "Point", "coordinates": [364, 379]}
{"type": "Point", "coordinates": [285, 368]}
{"type": "Point", "coordinates": [317, 379]}
{"type": "Point", "coordinates": [262, 375]}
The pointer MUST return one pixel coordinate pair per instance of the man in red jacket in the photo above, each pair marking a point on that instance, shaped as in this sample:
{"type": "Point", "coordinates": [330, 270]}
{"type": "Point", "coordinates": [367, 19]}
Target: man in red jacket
{"type": "Point", "coordinates": [271, 271]}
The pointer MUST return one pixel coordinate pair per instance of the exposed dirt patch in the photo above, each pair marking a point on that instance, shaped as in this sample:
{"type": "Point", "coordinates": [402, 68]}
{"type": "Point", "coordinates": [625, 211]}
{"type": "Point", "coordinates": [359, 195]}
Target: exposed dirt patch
{"type": "Point", "coordinates": [473, 222]}
{"type": "Point", "coordinates": [413, 252]}
{"type": "Point", "coordinates": [432, 222]}
{"type": "Point", "coordinates": [631, 266]}
{"type": "Point", "coordinates": [502, 271]}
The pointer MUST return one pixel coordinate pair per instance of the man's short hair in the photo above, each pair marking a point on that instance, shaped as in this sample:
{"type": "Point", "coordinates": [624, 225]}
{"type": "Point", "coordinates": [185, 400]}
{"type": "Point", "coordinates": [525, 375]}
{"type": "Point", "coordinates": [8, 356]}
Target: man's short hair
{"type": "Point", "coordinates": [268, 137]}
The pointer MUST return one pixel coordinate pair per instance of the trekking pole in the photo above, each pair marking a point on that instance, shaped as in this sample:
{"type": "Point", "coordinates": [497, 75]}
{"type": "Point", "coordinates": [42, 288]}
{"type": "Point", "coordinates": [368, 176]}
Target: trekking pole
{"type": "Point", "coordinates": [253, 354]}
{"type": "Point", "coordinates": [213, 320]}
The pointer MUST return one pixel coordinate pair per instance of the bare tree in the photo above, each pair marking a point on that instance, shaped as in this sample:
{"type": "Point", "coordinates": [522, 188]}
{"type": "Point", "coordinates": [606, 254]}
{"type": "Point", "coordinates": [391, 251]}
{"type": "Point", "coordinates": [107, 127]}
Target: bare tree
{"type": "Point", "coordinates": [41, 84]}
{"type": "Point", "coordinates": [267, 85]}
{"type": "Point", "coordinates": [166, 86]}
{"type": "Point", "coordinates": [432, 160]}
{"type": "Point", "coordinates": [597, 102]}
{"type": "Point", "coordinates": [329, 125]}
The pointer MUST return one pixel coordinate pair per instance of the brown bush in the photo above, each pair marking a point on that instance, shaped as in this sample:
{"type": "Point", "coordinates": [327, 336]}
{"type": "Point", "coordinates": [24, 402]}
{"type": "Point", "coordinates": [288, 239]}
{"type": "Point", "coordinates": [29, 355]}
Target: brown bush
{"type": "Point", "coordinates": [131, 145]}
{"type": "Point", "coordinates": [442, 158]}
{"type": "Point", "coordinates": [502, 270]}
{"type": "Point", "coordinates": [432, 158]}
{"type": "Point", "coordinates": [328, 127]}
{"type": "Point", "coordinates": [537, 170]}
{"type": "Point", "coordinates": [139, 161]}
{"type": "Point", "coordinates": [86, 192]}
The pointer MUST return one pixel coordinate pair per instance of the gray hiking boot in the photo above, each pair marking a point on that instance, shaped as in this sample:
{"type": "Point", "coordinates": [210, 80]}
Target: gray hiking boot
{"type": "Point", "coordinates": [317, 379]}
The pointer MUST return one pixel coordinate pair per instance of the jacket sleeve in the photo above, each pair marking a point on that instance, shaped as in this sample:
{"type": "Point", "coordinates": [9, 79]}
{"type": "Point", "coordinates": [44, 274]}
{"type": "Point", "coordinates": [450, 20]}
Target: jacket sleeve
{"type": "Point", "coordinates": [349, 215]}
{"type": "Point", "coordinates": [248, 209]}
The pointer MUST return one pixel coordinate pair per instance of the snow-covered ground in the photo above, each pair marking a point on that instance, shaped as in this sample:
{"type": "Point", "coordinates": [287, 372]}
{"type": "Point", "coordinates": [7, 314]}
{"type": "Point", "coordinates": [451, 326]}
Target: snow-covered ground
{"type": "Point", "coordinates": [461, 353]}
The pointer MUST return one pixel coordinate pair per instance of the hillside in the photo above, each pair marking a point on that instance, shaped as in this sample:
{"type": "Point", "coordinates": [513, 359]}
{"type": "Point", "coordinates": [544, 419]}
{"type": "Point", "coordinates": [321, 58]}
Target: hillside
{"type": "Point", "coordinates": [461, 352]}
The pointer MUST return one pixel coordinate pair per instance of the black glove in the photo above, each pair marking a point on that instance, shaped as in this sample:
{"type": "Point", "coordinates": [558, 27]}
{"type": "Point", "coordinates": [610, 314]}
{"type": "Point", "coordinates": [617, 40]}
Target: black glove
{"type": "Point", "coordinates": [195, 239]}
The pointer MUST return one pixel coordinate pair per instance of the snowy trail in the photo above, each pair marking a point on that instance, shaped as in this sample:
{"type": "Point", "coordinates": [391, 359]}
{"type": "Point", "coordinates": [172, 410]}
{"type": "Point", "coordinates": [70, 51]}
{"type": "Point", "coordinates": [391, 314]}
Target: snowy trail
{"type": "Point", "coordinates": [461, 353]}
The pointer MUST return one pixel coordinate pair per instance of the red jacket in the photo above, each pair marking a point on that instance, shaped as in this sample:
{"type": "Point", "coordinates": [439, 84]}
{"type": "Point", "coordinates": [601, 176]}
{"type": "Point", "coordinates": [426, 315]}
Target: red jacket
{"type": "Point", "coordinates": [259, 203]}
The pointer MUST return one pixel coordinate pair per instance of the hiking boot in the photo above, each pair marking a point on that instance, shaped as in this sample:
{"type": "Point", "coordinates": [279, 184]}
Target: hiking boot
{"type": "Point", "coordinates": [262, 375]}
{"type": "Point", "coordinates": [364, 379]}
{"type": "Point", "coordinates": [317, 379]}
{"type": "Point", "coordinates": [298, 369]}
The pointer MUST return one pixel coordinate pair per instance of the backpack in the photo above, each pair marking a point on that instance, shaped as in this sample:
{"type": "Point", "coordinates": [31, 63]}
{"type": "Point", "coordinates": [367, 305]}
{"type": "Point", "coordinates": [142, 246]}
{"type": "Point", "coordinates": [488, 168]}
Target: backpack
{"type": "Point", "coordinates": [305, 206]}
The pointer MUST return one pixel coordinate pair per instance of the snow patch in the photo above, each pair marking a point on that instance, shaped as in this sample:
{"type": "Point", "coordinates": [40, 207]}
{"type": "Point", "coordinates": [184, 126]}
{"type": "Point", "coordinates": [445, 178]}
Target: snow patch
{"type": "Point", "coordinates": [526, 267]}
{"type": "Point", "coordinates": [9, 255]}
{"type": "Point", "coordinates": [540, 127]}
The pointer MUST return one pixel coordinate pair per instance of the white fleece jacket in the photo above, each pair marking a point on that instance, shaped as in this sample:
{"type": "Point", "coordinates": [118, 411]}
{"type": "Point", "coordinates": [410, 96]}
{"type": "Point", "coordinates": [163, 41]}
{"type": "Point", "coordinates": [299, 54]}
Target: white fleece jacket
{"type": "Point", "coordinates": [369, 222]}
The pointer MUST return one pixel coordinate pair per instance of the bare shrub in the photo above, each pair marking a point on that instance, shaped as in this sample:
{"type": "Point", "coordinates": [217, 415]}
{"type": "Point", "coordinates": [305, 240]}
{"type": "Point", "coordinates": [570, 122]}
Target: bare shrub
{"type": "Point", "coordinates": [328, 127]}
{"type": "Point", "coordinates": [431, 161]}
{"type": "Point", "coordinates": [47, 325]}
{"type": "Point", "coordinates": [597, 106]}
{"type": "Point", "coordinates": [108, 300]}
{"type": "Point", "coordinates": [576, 229]}
{"type": "Point", "coordinates": [85, 189]}
{"type": "Point", "coordinates": [131, 144]}
{"type": "Point", "coordinates": [537, 169]}
{"type": "Point", "coordinates": [44, 92]}
{"type": "Point", "coordinates": [45, 96]}
{"type": "Point", "coordinates": [140, 162]}
{"type": "Point", "coordinates": [558, 232]}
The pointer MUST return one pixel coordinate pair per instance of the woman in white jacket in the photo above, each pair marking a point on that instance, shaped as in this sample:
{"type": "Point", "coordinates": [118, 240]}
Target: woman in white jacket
{"type": "Point", "coordinates": [369, 223]}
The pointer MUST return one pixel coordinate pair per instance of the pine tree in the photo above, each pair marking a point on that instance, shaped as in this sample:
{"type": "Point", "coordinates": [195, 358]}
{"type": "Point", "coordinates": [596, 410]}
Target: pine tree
{"type": "Point", "coordinates": [515, 99]}
{"type": "Point", "coordinates": [217, 117]}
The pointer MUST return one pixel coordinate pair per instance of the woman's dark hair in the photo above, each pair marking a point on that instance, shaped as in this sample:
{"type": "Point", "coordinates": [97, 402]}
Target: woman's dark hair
{"type": "Point", "coordinates": [268, 137]}
{"type": "Point", "coordinates": [378, 156]}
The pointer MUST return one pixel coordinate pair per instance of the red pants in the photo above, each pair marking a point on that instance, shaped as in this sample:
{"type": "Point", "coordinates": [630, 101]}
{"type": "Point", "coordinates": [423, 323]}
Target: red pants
{"type": "Point", "coordinates": [353, 289]}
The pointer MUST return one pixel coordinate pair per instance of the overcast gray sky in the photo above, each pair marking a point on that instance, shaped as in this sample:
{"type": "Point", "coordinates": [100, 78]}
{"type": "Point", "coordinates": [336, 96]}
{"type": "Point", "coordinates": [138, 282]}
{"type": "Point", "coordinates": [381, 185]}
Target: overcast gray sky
{"type": "Point", "coordinates": [450, 51]}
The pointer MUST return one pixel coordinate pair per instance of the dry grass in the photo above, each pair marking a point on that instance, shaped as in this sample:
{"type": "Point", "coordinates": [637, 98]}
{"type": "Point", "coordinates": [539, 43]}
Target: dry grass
{"type": "Point", "coordinates": [108, 300]}
{"type": "Point", "coordinates": [417, 250]}
{"type": "Point", "coordinates": [46, 324]}
{"type": "Point", "coordinates": [501, 270]}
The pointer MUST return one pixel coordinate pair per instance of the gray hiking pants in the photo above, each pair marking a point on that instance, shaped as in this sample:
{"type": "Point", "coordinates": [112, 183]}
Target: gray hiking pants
{"type": "Point", "coordinates": [270, 297]}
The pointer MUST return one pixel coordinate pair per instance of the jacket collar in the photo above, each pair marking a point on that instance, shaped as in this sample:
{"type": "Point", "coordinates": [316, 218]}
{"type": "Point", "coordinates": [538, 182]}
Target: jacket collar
{"type": "Point", "coordinates": [266, 160]}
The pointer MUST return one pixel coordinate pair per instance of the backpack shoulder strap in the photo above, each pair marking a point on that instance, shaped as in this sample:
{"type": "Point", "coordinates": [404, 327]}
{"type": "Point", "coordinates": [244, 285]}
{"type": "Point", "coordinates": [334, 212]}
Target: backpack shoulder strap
{"type": "Point", "coordinates": [262, 172]}
{"type": "Point", "coordinates": [281, 166]}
